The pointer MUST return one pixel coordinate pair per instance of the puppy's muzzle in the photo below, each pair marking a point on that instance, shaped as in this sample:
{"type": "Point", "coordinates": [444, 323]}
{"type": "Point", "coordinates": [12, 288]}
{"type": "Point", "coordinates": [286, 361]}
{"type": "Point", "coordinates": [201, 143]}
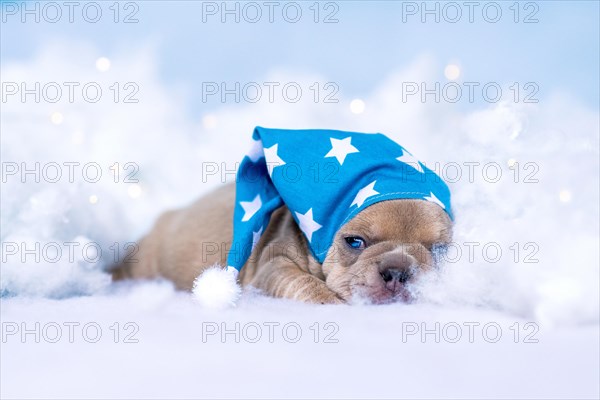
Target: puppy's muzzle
{"type": "Point", "coordinates": [394, 277]}
{"type": "Point", "coordinates": [396, 270]}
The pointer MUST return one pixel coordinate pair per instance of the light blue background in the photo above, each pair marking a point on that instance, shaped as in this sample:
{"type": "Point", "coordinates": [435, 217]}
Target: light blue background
{"type": "Point", "coordinates": [560, 52]}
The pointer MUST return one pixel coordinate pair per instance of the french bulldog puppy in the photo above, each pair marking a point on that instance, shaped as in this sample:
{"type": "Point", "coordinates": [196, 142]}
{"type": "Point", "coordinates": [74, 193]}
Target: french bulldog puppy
{"type": "Point", "coordinates": [373, 258]}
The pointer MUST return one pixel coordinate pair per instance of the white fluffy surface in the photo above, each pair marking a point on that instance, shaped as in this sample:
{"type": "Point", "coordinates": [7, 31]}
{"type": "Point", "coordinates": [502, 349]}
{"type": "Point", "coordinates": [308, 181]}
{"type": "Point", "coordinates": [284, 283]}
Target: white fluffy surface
{"type": "Point", "coordinates": [365, 356]}
{"type": "Point", "coordinates": [216, 288]}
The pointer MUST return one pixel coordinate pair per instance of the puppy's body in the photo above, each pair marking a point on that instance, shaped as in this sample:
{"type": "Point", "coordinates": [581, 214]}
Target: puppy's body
{"type": "Point", "coordinates": [398, 236]}
{"type": "Point", "coordinates": [185, 242]}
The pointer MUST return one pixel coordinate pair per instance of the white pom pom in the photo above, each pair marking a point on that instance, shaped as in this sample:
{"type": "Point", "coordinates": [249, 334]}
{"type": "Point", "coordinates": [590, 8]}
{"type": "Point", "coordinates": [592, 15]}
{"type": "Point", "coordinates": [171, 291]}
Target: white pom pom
{"type": "Point", "coordinates": [217, 287]}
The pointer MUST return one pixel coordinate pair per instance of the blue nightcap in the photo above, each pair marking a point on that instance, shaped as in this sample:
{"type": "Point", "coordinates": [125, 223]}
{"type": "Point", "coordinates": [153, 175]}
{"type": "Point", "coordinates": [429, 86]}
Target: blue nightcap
{"type": "Point", "coordinates": [325, 178]}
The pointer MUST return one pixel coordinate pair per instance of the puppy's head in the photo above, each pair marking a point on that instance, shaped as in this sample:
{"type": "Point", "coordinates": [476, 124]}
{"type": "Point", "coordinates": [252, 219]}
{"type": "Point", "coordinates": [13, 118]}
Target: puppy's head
{"type": "Point", "coordinates": [384, 248]}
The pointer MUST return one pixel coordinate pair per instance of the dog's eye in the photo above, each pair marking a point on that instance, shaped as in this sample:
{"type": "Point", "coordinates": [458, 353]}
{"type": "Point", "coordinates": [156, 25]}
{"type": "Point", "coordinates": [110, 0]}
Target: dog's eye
{"type": "Point", "coordinates": [356, 242]}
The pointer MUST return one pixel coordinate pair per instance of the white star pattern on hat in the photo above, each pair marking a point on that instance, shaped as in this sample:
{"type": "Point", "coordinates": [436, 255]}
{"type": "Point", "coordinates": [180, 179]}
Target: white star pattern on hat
{"type": "Point", "coordinates": [435, 200]}
{"type": "Point", "coordinates": [308, 224]}
{"type": "Point", "coordinates": [256, 151]}
{"type": "Point", "coordinates": [364, 193]}
{"type": "Point", "coordinates": [256, 237]}
{"type": "Point", "coordinates": [340, 148]}
{"type": "Point", "coordinates": [409, 159]}
{"type": "Point", "coordinates": [251, 207]}
{"type": "Point", "coordinates": [273, 160]}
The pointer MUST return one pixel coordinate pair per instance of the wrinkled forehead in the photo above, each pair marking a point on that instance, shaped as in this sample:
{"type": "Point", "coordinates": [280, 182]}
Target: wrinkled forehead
{"type": "Point", "coordinates": [402, 220]}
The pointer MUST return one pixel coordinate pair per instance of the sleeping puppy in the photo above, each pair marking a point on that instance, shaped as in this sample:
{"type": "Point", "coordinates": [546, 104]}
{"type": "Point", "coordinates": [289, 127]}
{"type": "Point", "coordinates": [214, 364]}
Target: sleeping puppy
{"type": "Point", "coordinates": [374, 256]}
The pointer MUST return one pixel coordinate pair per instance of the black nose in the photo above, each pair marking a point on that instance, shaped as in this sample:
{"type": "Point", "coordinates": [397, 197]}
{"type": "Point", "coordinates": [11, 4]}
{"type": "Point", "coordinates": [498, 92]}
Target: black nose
{"type": "Point", "coordinates": [392, 275]}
